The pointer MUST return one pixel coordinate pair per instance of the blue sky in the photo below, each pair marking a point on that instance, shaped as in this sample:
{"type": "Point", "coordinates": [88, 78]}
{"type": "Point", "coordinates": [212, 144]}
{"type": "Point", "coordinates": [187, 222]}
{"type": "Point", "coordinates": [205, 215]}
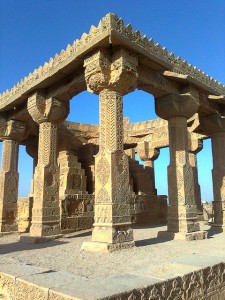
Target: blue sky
{"type": "Point", "coordinates": [33, 31]}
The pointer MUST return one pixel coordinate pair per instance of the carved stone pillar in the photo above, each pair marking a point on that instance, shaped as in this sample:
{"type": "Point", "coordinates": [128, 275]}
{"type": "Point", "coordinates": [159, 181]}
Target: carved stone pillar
{"type": "Point", "coordinates": [11, 132]}
{"type": "Point", "coordinates": [86, 156]}
{"type": "Point", "coordinates": [149, 155]}
{"type": "Point", "coordinates": [195, 147]}
{"type": "Point", "coordinates": [214, 125]}
{"type": "Point", "coordinates": [111, 78]}
{"type": "Point", "coordinates": [32, 150]}
{"type": "Point", "coordinates": [182, 212]}
{"type": "Point", "coordinates": [46, 209]}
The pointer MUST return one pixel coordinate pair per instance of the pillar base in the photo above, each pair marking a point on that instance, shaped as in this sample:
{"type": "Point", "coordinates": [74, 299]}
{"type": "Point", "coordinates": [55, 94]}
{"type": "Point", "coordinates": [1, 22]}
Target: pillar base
{"type": "Point", "coordinates": [217, 228]}
{"type": "Point", "coordinates": [185, 236]}
{"type": "Point", "coordinates": [29, 239]}
{"type": "Point", "coordinates": [7, 233]}
{"type": "Point", "coordinates": [106, 247]}
{"type": "Point", "coordinates": [5, 228]}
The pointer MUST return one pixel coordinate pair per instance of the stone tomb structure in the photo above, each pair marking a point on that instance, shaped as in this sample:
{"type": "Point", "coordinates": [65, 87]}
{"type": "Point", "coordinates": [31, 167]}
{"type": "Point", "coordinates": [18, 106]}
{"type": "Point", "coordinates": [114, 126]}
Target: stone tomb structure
{"type": "Point", "coordinates": [79, 168]}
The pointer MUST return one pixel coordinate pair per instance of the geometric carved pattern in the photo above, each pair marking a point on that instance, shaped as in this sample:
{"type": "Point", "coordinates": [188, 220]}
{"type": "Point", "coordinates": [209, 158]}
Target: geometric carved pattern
{"type": "Point", "coordinates": [9, 186]}
{"type": "Point", "coordinates": [46, 212]}
{"type": "Point", "coordinates": [180, 180]}
{"type": "Point", "coordinates": [111, 77]}
{"type": "Point", "coordinates": [111, 120]}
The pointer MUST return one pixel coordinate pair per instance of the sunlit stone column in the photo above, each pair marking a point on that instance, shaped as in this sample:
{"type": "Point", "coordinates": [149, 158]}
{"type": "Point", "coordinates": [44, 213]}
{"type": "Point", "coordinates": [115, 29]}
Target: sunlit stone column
{"type": "Point", "coordinates": [214, 125]}
{"type": "Point", "coordinates": [46, 209]}
{"type": "Point", "coordinates": [148, 155]}
{"type": "Point", "coordinates": [111, 78]}
{"type": "Point", "coordinates": [11, 133]}
{"type": "Point", "coordinates": [182, 212]}
{"type": "Point", "coordinates": [195, 147]}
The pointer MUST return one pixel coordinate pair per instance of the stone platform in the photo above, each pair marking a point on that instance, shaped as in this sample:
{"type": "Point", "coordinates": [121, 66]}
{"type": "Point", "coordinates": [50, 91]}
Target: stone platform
{"type": "Point", "coordinates": [154, 269]}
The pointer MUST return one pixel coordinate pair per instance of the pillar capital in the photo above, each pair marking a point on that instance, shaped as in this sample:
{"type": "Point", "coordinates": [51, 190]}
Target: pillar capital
{"type": "Point", "coordinates": [196, 146]}
{"type": "Point", "coordinates": [145, 152]}
{"type": "Point", "coordinates": [12, 130]}
{"type": "Point", "coordinates": [212, 124]}
{"type": "Point", "coordinates": [172, 105]}
{"type": "Point", "coordinates": [116, 72]}
{"type": "Point", "coordinates": [47, 110]}
{"type": "Point", "coordinates": [32, 150]}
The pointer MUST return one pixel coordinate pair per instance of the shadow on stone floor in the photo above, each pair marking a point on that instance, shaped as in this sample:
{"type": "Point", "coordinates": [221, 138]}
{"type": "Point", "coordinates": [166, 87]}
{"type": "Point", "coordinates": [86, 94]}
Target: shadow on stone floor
{"type": "Point", "coordinates": [151, 241]}
{"type": "Point", "coordinates": [76, 235]}
{"type": "Point", "coordinates": [214, 231]}
{"type": "Point", "coordinates": [18, 246]}
{"type": "Point", "coordinates": [146, 225]}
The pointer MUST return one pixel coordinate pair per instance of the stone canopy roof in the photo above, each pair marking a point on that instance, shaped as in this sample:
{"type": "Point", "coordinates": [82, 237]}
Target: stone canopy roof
{"type": "Point", "coordinates": [111, 31]}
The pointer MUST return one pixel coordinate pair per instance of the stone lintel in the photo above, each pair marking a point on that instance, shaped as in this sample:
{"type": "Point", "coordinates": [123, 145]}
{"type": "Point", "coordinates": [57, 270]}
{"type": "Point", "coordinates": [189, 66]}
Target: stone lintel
{"type": "Point", "coordinates": [187, 79]}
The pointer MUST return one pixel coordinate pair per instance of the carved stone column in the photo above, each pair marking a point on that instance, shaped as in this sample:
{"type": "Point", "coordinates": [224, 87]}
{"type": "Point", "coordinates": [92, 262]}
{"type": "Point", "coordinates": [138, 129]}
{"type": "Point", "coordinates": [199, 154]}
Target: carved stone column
{"type": "Point", "coordinates": [46, 210]}
{"type": "Point", "coordinates": [32, 150]}
{"type": "Point", "coordinates": [195, 147]}
{"type": "Point", "coordinates": [182, 212]}
{"type": "Point", "coordinates": [11, 132]}
{"type": "Point", "coordinates": [111, 77]}
{"type": "Point", "coordinates": [214, 125]}
{"type": "Point", "coordinates": [149, 155]}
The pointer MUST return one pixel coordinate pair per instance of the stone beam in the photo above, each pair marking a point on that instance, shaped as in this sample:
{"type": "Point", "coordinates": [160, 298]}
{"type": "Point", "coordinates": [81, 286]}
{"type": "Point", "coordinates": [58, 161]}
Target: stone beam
{"type": "Point", "coordinates": [69, 87]}
{"type": "Point", "coordinates": [154, 83]}
{"type": "Point", "coordinates": [187, 79]}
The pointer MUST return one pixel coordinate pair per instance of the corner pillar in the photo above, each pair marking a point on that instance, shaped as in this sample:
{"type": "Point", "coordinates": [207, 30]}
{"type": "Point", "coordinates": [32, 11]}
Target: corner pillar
{"type": "Point", "coordinates": [111, 78]}
{"type": "Point", "coordinates": [218, 176]}
{"type": "Point", "coordinates": [11, 133]}
{"type": "Point", "coordinates": [214, 126]}
{"type": "Point", "coordinates": [182, 212]}
{"type": "Point", "coordinates": [46, 208]}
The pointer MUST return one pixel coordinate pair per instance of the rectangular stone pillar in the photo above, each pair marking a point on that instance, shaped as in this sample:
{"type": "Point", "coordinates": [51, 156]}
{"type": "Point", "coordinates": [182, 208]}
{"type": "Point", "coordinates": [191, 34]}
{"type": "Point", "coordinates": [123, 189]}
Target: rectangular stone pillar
{"type": "Point", "coordinates": [112, 209]}
{"type": "Point", "coordinates": [46, 210]}
{"type": "Point", "coordinates": [197, 189]}
{"type": "Point", "coordinates": [218, 176]}
{"type": "Point", "coordinates": [182, 214]}
{"type": "Point", "coordinates": [9, 186]}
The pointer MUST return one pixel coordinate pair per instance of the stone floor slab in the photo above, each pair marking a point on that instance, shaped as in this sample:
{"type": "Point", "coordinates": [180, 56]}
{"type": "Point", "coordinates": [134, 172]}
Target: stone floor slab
{"type": "Point", "coordinates": [21, 269]}
{"type": "Point", "coordinates": [199, 261]}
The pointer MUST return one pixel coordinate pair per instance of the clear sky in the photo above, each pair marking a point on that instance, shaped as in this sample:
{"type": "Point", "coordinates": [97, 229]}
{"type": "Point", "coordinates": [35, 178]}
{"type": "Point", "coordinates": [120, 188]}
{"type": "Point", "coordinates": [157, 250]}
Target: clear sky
{"type": "Point", "coordinates": [33, 31]}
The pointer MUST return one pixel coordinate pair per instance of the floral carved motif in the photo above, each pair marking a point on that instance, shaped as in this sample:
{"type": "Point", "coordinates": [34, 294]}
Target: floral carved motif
{"type": "Point", "coordinates": [103, 170]}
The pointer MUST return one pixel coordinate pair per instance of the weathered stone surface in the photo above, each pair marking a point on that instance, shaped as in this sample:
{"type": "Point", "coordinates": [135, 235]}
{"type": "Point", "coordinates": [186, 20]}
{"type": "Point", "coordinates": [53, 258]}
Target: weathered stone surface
{"type": "Point", "coordinates": [182, 212]}
{"type": "Point", "coordinates": [46, 206]}
{"type": "Point", "coordinates": [68, 176]}
{"type": "Point", "coordinates": [11, 133]}
{"type": "Point", "coordinates": [215, 126]}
